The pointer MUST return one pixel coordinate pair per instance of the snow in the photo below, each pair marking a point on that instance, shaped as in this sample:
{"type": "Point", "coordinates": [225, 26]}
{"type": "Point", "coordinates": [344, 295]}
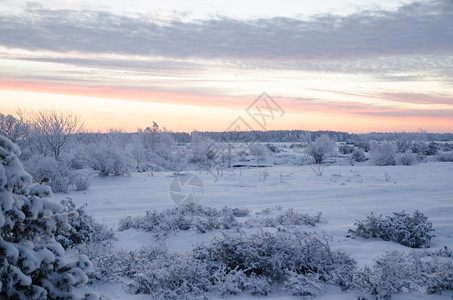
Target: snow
{"type": "Point", "coordinates": [337, 194]}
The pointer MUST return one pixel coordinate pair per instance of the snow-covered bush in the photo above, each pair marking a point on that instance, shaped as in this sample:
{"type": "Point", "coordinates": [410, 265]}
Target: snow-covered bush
{"type": "Point", "coordinates": [358, 155]}
{"type": "Point", "coordinates": [444, 156]}
{"type": "Point", "coordinates": [106, 159]}
{"type": "Point", "coordinates": [33, 264]}
{"type": "Point", "coordinates": [188, 217]}
{"type": "Point", "coordinates": [83, 229]}
{"type": "Point", "coordinates": [304, 285]}
{"type": "Point", "coordinates": [396, 272]}
{"type": "Point", "coordinates": [389, 275]}
{"type": "Point", "coordinates": [80, 181]}
{"type": "Point", "coordinates": [411, 231]}
{"type": "Point", "coordinates": [178, 276]}
{"type": "Point", "coordinates": [383, 154]}
{"type": "Point", "coordinates": [322, 147]}
{"type": "Point", "coordinates": [256, 264]}
{"type": "Point", "coordinates": [346, 149]}
{"type": "Point", "coordinates": [290, 218]}
{"type": "Point", "coordinates": [62, 178]}
{"type": "Point", "coordinates": [276, 256]}
{"type": "Point", "coordinates": [406, 158]}
{"type": "Point", "coordinates": [110, 264]}
{"type": "Point", "coordinates": [259, 151]}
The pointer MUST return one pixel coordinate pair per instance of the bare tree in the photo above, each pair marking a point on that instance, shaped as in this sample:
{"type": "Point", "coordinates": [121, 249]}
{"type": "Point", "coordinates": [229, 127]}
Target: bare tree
{"type": "Point", "coordinates": [53, 130]}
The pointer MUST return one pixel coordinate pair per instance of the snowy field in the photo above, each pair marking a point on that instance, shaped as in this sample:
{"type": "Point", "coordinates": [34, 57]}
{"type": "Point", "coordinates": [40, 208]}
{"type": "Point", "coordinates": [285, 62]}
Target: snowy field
{"type": "Point", "coordinates": [342, 194]}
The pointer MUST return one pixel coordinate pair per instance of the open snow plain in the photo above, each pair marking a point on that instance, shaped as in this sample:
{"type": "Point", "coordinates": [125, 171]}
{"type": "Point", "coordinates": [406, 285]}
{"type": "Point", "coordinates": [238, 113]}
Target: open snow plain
{"type": "Point", "coordinates": [342, 194]}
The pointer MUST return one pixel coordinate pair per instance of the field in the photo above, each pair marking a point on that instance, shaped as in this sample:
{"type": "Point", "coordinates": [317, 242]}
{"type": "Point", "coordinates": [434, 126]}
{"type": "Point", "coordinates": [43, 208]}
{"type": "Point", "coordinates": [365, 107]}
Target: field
{"type": "Point", "coordinates": [342, 194]}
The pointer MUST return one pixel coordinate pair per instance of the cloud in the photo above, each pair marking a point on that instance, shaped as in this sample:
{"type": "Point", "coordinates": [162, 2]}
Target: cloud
{"type": "Point", "coordinates": [426, 106]}
{"type": "Point", "coordinates": [418, 98]}
{"type": "Point", "coordinates": [417, 28]}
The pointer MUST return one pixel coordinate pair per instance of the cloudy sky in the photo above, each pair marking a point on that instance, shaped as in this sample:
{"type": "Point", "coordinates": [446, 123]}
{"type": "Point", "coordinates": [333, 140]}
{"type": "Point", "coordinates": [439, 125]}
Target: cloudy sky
{"type": "Point", "coordinates": [357, 66]}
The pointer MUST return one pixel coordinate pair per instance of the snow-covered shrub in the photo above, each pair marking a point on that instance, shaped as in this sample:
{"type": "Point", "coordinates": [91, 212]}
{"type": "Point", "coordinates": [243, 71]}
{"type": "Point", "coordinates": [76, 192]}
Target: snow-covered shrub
{"type": "Point", "coordinates": [40, 190]}
{"type": "Point", "coordinates": [80, 182]}
{"type": "Point", "coordinates": [396, 272]}
{"type": "Point", "coordinates": [439, 275]}
{"type": "Point", "coordinates": [403, 145]}
{"type": "Point", "coordinates": [390, 274]}
{"type": "Point", "coordinates": [304, 285]}
{"type": "Point", "coordinates": [272, 148]}
{"type": "Point", "coordinates": [318, 169]}
{"type": "Point", "coordinates": [178, 276]}
{"type": "Point", "coordinates": [443, 252]}
{"type": "Point", "coordinates": [358, 155]}
{"type": "Point", "coordinates": [444, 156]}
{"type": "Point", "coordinates": [110, 264]}
{"type": "Point", "coordinates": [322, 147]}
{"type": "Point", "coordinates": [33, 264]}
{"type": "Point", "coordinates": [275, 256]}
{"type": "Point", "coordinates": [383, 154]}
{"type": "Point", "coordinates": [290, 218]}
{"type": "Point", "coordinates": [83, 229]}
{"type": "Point", "coordinates": [62, 178]}
{"type": "Point", "coordinates": [187, 217]}
{"type": "Point", "coordinates": [406, 158]}
{"type": "Point", "coordinates": [346, 149]}
{"type": "Point", "coordinates": [106, 159]}
{"type": "Point", "coordinates": [411, 231]}
{"type": "Point", "coordinates": [432, 149]}
{"type": "Point", "coordinates": [259, 151]}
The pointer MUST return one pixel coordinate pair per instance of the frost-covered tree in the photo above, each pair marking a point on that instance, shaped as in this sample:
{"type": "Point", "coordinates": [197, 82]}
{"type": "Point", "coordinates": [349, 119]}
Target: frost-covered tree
{"type": "Point", "coordinates": [51, 131]}
{"type": "Point", "coordinates": [322, 147]}
{"type": "Point", "coordinates": [12, 127]}
{"type": "Point", "coordinates": [383, 154]}
{"type": "Point", "coordinates": [32, 264]}
{"type": "Point", "coordinates": [197, 145]}
{"type": "Point", "coordinates": [259, 151]}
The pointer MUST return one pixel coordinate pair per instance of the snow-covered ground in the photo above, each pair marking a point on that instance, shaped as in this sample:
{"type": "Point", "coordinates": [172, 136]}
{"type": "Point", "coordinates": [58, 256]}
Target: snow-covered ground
{"type": "Point", "coordinates": [343, 194]}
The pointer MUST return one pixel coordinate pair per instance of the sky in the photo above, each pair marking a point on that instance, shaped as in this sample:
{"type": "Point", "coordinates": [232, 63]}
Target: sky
{"type": "Point", "coordinates": [356, 66]}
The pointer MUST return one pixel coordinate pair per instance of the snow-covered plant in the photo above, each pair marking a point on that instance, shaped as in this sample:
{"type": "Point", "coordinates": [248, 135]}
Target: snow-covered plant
{"type": "Point", "coordinates": [383, 154]}
{"type": "Point", "coordinates": [318, 169]}
{"type": "Point", "coordinates": [178, 276]}
{"type": "Point", "coordinates": [301, 285]}
{"type": "Point", "coordinates": [83, 229]}
{"type": "Point", "coordinates": [276, 256]}
{"type": "Point", "coordinates": [80, 181]}
{"type": "Point", "coordinates": [444, 156]}
{"type": "Point", "coordinates": [412, 231]}
{"type": "Point", "coordinates": [406, 158]}
{"type": "Point", "coordinates": [33, 264]}
{"type": "Point", "coordinates": [110, 264]}
{"type": "Point", "coordinates": [106, 159]}
{"type": "Point", "coordinates": [322, 147]}
{"type": "Point", "coordinates": [290, 218]}
{"type": "Point", "coordinates": [259, 151]}
{"type": "Point", "coordinates": [358, 155]}
{"type": "Point", "coordinates": [346, 149]}
{"type": "Point", "coordinates": [396, 272]}
{"type": "Point", "coordinates": [12, 127]}
{"type": "Point", "coordinates": [62, 178]}
{"type": "Point", "coordinates": [187, 217]}
{"type": "Point", "coordinates": [390, 274]}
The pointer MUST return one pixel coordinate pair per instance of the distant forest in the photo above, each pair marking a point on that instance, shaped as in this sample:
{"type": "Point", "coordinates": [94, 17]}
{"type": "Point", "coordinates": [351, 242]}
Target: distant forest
{"type": "Point", "coordinates": [295, 136]}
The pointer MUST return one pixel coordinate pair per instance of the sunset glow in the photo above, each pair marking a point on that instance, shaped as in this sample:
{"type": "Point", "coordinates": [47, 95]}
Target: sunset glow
{"type": "Point", "coordinates": [366, 66]}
